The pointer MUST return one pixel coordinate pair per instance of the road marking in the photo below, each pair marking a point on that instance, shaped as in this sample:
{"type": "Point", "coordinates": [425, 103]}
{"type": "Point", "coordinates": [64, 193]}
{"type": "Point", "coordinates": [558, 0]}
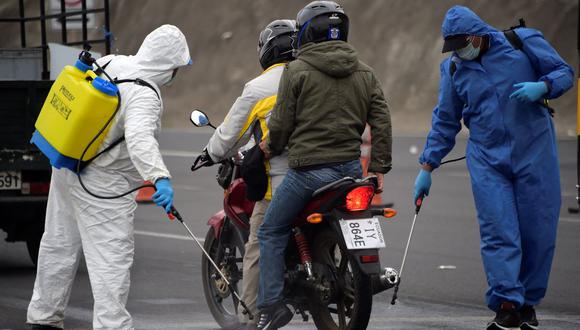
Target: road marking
{"type": "Point", "coordinates": [179, 153]}
{"type": "Point", "coordinates": [148, 321]}
{"type": "Point", "coordinates": [163, 235]}
{"type": "Point", "coordinates": [188, 188]}
{"type": "Point", "coordinates": [572, 220]}
{"type": "Point", "coordinates": [453, 319]}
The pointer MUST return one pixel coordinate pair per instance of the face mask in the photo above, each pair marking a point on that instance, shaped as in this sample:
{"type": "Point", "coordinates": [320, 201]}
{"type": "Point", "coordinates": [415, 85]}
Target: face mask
{"type": "Point", "coordinates": [170, 82]}
{"type": "Point", "coordinates": [468, 52]}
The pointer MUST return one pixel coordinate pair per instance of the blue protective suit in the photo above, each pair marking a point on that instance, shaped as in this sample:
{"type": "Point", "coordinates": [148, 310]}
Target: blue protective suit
{"type": "Point", "coordinates": [511, 153]}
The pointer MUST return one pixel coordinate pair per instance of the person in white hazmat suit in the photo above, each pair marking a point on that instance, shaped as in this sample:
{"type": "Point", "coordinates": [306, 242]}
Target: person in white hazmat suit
{"type": "Point", "coordinates": [247, 120]}
{"type": "Point", "coordinates": [103, 228]}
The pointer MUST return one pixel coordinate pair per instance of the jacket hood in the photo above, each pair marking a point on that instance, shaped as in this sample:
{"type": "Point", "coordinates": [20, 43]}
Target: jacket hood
{"type": "Point", "coordinates": [461, 20]}
{"type": "Point", "coordinates": [334, 58]}
{"type": "Point", "coordinates": [162, 51]}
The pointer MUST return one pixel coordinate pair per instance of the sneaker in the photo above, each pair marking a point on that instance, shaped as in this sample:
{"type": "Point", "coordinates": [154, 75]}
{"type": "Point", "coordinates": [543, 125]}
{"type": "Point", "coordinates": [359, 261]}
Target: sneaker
{"type": "Point", "coordinates": [528, 318]}
{"type": "Point", "coordinates": [274, 317]}
{"type": "Point", "coordinates": [507, 318]}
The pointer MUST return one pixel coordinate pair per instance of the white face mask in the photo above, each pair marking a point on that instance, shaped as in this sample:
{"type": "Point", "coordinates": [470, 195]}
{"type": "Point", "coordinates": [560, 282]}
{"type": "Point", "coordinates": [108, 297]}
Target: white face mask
{"type": "Point", "coordinates": [170, 82]}
{"type": "Point", "coordinates": [468, 52]}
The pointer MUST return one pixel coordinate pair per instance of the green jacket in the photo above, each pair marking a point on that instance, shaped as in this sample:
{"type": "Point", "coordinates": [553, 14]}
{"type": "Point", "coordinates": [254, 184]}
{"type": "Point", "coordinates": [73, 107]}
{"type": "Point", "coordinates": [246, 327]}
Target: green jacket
{"type": "Point", "coordinates": [325, 98]}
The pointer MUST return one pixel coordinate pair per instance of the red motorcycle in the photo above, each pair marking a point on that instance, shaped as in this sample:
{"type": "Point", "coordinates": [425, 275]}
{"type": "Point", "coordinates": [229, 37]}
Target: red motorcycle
{"type": "Point", "coordinates": [332, 262]}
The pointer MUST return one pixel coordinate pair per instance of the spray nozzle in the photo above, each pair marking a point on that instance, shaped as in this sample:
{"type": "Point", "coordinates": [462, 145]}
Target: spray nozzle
{"type": "Point", "coordinates": [85, 56]}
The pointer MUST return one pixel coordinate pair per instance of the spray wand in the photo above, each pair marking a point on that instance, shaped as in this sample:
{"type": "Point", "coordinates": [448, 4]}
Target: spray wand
{"type": "Point", "coordinates": [418, 205]}
{"type": "Point", "coordinates": [173, 214]}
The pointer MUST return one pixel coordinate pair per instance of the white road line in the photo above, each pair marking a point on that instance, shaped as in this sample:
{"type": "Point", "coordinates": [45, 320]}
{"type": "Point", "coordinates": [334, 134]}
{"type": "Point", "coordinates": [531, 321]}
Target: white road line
{"type": "Point", "coordinates": [179, 153]}
{"type": "Point", "coordinates": [452, 319]}
{"type": "Point", "coordinates": [188, 188]}
{"type": "Point", "coordinates": [572, 220]}
{"type": "Point", "coordinates": [162, 235]}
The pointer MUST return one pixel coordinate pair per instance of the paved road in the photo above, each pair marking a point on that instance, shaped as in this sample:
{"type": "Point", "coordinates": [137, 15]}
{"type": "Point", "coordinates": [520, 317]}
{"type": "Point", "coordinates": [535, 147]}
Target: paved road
{"type": "Point", "coordinates": [166, 292]}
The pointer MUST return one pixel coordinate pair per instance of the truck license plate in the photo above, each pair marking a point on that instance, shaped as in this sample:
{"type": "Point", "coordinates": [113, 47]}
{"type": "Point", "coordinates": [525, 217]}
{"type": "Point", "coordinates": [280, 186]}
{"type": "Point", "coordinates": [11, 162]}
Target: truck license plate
{"type": "Point", "coordinates": [362, 233]}
{"type": "Point", "coordinates": [10, 180]}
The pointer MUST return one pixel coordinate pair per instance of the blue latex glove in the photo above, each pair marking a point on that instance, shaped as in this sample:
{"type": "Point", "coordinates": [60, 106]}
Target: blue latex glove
{"type": "Point", "coordinates": [164, 195]}
{"type": "Point", "coordinates": [422, 185]}
{"type": "Point", "coordinates": [529, 91]}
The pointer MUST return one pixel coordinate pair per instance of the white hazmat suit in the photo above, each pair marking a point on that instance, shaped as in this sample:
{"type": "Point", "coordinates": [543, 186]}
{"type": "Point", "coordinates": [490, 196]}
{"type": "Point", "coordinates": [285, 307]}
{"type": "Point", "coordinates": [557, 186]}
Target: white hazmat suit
{"type": "Point", "coordinates": [103, 229]}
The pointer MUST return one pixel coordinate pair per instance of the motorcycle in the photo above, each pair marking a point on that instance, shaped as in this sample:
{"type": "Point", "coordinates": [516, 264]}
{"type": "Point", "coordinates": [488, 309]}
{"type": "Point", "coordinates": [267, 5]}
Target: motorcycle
{"type": "Point", "coordinates": [332, 262]}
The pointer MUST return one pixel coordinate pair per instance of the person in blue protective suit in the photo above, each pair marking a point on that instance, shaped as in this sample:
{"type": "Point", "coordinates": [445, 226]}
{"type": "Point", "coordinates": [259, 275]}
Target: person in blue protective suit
{"type": "Point", "coordinates": [497, 90]}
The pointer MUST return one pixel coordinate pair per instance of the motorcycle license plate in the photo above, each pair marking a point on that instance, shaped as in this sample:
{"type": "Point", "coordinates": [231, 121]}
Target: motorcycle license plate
{"type": "Point", "coordinates": [10, 180]}
{"type": "Point", "coordinates": [362, 233]}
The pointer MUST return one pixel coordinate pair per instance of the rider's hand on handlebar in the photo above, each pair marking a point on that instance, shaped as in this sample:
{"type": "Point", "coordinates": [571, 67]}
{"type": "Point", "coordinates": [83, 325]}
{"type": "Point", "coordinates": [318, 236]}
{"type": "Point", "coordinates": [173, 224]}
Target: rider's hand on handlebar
{"type": "Point", "coordinates": [205, 158]}
{"type": "Point", "coordinates": [265, 149]}
{"type": "Point", "coordinates": [380, 179]}
{"type": "Point", "coordinates": [202, 160]}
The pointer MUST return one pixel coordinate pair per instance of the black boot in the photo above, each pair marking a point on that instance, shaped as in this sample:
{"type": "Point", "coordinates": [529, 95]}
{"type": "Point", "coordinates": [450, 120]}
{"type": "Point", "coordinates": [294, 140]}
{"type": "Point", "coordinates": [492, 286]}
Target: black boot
{"type": "Point", "coordinates": [274, 317]}
{"type": "Point", "coordinates": [528, 318]}
{"type": "Point", "coordinates": [507, 318]}
{"type": "Point", "coordinates": [41, 327]}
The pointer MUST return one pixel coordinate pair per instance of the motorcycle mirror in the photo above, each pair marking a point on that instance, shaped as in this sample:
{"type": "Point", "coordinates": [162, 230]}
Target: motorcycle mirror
{"type": "Point", "coordinates": [199, 118]}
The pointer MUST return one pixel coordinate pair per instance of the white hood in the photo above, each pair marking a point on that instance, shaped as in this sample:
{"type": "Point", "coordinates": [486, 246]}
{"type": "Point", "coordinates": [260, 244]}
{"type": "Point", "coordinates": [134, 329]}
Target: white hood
{"type": "Point", "coordinates": [162, 51]}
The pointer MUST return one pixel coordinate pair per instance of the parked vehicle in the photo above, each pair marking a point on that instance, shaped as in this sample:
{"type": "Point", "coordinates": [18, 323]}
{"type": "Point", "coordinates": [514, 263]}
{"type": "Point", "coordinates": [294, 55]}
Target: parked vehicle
{"type": "Point", "coordinates": [24, 171]}
{"type": "Point", "coordinates": [24, 85]}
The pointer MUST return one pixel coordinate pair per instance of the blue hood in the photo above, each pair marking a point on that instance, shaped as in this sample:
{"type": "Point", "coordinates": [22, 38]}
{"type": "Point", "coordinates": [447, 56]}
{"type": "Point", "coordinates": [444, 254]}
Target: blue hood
{"type": "Point", "coordinates": [461, 20]}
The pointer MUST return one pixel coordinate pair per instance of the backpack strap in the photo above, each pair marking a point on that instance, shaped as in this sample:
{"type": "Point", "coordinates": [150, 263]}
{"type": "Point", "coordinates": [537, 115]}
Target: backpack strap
{"type": "Point", "coordinates": [100, 70]}
{"type": "Point", "coordinates": [139, 82]}
{"type": "Point", "coordinates": [511, 35]}
{"type": "Point", "coordinates": [514, 39]}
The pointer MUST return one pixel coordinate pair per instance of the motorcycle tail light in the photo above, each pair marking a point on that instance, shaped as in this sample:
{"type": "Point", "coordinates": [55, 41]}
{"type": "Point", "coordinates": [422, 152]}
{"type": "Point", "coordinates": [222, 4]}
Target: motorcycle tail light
{"type": "Point", "coordinates": [369, 259]}
{"type": "Point", "coordinates": [359, 198]}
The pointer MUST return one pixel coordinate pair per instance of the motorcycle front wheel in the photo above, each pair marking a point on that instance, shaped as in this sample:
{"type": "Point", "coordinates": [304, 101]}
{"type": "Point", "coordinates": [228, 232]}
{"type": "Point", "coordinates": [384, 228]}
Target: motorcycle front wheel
{"type": "Point", "coordinates": [350, 305]}
{"type": "Point", "coordinates": [228, 255]}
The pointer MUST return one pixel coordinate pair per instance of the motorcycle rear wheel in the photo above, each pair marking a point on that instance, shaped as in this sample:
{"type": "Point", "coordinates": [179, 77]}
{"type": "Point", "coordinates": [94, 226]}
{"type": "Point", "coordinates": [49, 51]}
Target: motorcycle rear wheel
{"type": "Point", "coordinates": [223, 306]}
{"type": "Point", "coordinates": [353, 298]}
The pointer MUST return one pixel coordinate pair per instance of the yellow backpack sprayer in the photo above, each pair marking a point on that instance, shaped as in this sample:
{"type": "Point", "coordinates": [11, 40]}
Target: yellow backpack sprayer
{"type": "Point", "coordinates": [77, 115]}
{"type": "Point", "coordinates": [78, 105]}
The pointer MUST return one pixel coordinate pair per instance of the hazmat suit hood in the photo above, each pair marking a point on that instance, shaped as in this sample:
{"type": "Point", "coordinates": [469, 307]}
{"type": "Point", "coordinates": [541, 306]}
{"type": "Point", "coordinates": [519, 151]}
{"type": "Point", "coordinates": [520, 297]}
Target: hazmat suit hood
{"type": "Point", "coordinates": [334, 58]}
{"type": "Point", "coordinates": [162, 51]}
{"type": "Point", "coordinates": [461, 20]}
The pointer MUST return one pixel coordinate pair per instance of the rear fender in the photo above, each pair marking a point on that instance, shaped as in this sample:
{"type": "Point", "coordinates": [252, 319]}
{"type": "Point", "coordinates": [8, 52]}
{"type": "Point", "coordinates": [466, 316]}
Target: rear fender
{"type": "Point", "coordinates": [217, 222]}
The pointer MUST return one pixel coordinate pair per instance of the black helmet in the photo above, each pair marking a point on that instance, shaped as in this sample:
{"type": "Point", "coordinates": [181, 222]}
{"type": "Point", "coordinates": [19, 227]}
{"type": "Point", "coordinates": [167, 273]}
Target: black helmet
{"type": "Point", "coordinates": [322, 21]}
{"type": "Point", "coordinates": [275, 42]}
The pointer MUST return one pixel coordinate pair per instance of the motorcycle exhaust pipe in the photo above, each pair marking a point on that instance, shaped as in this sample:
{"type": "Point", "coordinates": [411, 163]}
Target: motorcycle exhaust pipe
{"type": "Point", "coordinates": [385, 280]}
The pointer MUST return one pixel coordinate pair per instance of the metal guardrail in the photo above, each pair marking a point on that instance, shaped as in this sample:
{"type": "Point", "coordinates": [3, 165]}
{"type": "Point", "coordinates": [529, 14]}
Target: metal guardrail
{"type": "Point", "coordinates": [22, 20]}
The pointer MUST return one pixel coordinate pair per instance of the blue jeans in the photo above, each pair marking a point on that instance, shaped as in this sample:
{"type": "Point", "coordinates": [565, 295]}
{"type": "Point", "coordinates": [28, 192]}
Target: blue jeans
{"type": "Point", "coordinates": [290, 198]}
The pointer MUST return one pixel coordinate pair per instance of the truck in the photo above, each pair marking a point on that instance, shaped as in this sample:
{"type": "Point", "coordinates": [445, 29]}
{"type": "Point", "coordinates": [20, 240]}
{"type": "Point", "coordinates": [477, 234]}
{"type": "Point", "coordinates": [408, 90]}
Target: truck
{"type": "Point", "coordinates": [25, 81]}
